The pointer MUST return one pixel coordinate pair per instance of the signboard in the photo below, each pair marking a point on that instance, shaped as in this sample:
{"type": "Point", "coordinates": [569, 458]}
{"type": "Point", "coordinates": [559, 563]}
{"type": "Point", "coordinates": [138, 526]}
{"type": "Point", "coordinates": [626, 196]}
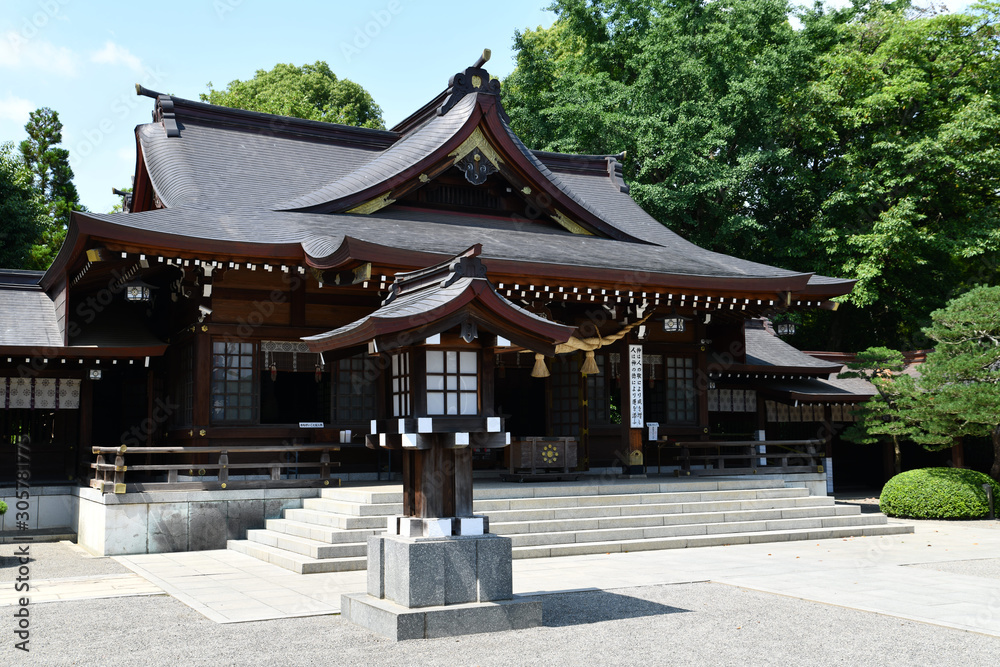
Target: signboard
{"type": "Point", "coordinates": [310, 424]}
{"type": "Point", "coordinates": [635, 386]}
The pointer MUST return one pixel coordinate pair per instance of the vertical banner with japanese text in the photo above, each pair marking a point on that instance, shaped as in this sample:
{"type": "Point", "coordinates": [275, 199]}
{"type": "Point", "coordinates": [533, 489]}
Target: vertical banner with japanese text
{"type": "Point", "coordinates": [635, 386]}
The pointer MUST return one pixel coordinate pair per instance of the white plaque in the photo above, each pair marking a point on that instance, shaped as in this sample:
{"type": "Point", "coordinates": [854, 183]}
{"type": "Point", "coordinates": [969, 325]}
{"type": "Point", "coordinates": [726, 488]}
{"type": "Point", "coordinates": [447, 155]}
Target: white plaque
{"type": "Point", "coordinates": [635, 386]}
{"type": "Point", "coordinates": [654, 428]}
{"type": "Point", "coordinates": [310, 424]}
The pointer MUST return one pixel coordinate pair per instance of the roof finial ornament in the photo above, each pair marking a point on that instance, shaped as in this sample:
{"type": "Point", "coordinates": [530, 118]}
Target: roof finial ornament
{"type": "Point", "coordinates": [474, 79]}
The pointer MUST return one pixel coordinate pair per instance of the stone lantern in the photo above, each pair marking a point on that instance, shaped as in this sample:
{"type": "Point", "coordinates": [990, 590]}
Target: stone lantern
{"type": "Point", "coordinates": [438, 571]}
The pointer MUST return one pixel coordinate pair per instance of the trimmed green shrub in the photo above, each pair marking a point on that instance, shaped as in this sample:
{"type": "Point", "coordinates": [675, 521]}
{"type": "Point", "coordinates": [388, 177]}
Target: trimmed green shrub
{"type": "Point", "coordinates": [3, 507]}
{"type": "Point", "coordinates": [938, 493]}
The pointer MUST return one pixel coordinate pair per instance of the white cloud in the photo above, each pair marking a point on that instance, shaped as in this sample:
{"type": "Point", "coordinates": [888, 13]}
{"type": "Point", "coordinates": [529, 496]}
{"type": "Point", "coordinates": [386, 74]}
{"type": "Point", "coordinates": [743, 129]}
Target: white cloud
{"type": "Point", "coordinates": [126, 154]}
{"type": "Point", "coordinates": [115, 54]}
{"type": "Point", "coordinates": [18, 52]}
{"type": "Point", "coordinates": [15, 109]}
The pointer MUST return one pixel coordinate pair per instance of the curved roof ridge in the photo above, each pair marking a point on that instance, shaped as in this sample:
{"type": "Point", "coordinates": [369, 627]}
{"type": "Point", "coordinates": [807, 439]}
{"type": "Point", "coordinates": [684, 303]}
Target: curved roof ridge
{"type": "Point", "coordinates": [402, 156]}
{"type": "Point", "coordinates": [171, 104]}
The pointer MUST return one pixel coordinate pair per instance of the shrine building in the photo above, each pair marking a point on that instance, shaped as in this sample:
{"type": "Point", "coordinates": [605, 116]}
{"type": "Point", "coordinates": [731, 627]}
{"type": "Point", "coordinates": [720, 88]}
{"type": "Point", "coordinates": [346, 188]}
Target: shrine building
{"type": "Point", "coordinates": [239, 327]}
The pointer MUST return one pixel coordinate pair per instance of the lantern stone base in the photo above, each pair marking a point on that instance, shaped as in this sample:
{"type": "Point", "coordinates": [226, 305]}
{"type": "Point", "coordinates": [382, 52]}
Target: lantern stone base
{"type": "Point", "coordinates": [439, 587]}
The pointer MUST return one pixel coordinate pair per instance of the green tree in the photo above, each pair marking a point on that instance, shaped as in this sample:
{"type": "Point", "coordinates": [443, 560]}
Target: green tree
{"type": "Point", "coordinates": [861, 146]}
{"type": "Point", "coordinates": [961, 378]}
{"type": "Point", "coordinates": [692, 91]}
{"type": "Point", "coordinates": [312, 91]}
{"type": "Point", "coordinates": [887, 413]}
{"type": "Point", "coordinates": [22, 214]}
{"type": "Point", "coordinates": [896, 144]}
{"type": "Point", "coordinates": [53, 178]}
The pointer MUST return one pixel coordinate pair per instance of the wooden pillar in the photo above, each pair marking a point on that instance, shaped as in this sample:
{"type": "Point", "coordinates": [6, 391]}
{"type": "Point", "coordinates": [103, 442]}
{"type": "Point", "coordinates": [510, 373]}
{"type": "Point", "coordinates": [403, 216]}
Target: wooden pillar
{"type": "Point", "coordinates": [700, 367]}
{"type": "Point", "coordinates": [85, 440]}
{"type": "Point", "coordinates": [149, 408]}
{"type": "Point", "coordinates": [437, 482]}
{"type": "Point", "coordinates": [201, 407]}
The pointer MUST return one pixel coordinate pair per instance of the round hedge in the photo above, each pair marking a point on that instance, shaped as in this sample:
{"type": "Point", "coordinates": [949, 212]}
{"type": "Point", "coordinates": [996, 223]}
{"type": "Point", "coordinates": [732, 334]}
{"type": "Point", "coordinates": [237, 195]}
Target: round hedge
{"type": "Point", "coordinates": [938, 493]}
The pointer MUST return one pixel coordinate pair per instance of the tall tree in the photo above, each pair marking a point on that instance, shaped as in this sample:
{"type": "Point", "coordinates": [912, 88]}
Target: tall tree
{"type": "Point", "coordinates": [861, 146]}
{"type": "Point", "coordinates": [896, 143]}
{"type": "Point", "coordinates": [888, 413]}
{"type": "Point", "coordinates": [312, 92]}
{"type": "Point", "coordinates": [53, 178]}
{"type": "Point", "coordinates": [692, 91]}
{"type": "Point", "coordinates": [961, 378]}
{"type": "Point", "coordinates": [22, 215]}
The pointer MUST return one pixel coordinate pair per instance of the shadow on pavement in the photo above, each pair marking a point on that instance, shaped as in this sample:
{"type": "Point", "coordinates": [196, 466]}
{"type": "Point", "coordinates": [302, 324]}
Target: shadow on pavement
{"type": "Point", "coordinates": [597, 606]}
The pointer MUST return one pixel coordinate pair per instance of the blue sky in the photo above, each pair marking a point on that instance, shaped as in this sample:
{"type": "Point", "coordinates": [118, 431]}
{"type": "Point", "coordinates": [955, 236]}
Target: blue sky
{"type": "Point", "coordinates": [82, 58]}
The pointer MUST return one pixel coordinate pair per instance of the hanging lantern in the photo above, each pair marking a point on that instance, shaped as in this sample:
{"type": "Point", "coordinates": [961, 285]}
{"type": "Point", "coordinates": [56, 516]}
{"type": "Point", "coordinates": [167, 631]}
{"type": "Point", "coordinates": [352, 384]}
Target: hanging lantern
{"type": "Point", "coordinates": [274, 372]}
{"type": "Point", "coordinates": [590, 365]}
{"type": "Point", "coordinates": [675, 323]}
{"type": "Point", "coordinates": [138, 291]}
{"type": "Point", "coordinates": [318, 374]}
{"type": "Point", "coordinates": [785, 328]}
{"type": "Point", "coordinates": [540, 370]}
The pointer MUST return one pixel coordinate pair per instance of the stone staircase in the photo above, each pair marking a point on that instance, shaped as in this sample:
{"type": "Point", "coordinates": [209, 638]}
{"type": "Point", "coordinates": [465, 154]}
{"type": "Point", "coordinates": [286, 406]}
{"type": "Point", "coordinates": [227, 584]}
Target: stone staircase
{"type": "Point", "coordinates": [329, 533]}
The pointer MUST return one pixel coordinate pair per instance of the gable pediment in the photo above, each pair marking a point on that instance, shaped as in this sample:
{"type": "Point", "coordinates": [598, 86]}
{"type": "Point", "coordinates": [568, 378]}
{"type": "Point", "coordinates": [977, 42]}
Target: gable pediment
{"type": "Point", "coordinates": [460, 155]}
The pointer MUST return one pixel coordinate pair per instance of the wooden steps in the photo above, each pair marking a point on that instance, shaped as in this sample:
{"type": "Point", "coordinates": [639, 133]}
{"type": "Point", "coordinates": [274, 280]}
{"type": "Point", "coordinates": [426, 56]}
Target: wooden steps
{"type": "Point", "coordinates": [330, 533]}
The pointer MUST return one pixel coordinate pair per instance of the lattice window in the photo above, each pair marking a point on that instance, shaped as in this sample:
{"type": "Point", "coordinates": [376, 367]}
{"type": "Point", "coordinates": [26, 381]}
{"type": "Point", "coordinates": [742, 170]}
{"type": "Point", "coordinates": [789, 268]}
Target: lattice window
{"type": "Point", "coordinates": [234, 391]}
{"type": "Point", "coordinates": [401, 384]}
{"type": "Point", "coordinates": [597, 394]}
{"type": "Point", "coordinates": [354, 390]}
{"type": "Point", "coordinates": [682, 399]}
{"type": "Point", "coordinates": [565, 387]}
{"type": "Point", "coordinates": [452, 382]}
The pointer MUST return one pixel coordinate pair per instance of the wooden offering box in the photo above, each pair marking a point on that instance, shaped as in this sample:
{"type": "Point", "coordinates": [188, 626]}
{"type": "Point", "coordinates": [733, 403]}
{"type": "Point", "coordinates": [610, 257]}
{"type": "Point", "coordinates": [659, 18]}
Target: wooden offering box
{"type": "Point", "coordinates": [538, 453]}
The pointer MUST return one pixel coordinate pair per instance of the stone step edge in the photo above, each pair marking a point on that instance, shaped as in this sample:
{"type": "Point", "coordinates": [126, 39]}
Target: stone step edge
{"type": "Point", "coordinates": [296, 562]}
{"type": "Point", "coordinates": [307, 565]}
{"type": "Point", "coordinates": [344, 495]}
{"type": "Point", "coordinates": [753, 527]}
{"type": "Point", "coordinates": [658, 498]}
{"type": "Point", "coordinates": [718, 539]}
{"type": "Point", "coordinates": [720, 515]}
{"type": "Point", "coordinates": [758, 501]}
{"type": "Point", "coordinates": [278, 525]}
{"type": "Point", "coordinates": [762, 523]}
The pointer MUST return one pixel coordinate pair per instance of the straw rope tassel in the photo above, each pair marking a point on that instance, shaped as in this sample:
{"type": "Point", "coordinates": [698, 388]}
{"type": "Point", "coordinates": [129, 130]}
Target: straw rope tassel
{"type": "Point", "coordinates": [540, 370]}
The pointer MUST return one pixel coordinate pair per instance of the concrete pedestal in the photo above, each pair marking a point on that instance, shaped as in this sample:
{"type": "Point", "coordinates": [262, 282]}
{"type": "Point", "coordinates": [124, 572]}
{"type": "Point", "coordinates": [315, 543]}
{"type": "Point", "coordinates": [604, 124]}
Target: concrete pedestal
{"type": "Point", "coordinates": [439, 587]}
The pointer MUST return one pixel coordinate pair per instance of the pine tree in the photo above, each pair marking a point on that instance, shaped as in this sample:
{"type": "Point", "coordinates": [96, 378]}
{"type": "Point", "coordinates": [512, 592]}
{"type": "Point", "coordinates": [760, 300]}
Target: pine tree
{"type": "Point", "coordinates": [53, 178]}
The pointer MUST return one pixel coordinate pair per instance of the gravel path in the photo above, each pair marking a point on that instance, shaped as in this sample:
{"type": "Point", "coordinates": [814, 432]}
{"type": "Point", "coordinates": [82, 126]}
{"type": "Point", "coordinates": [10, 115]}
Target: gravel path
{"type": "Point", "coordinates": [688, 624]}
{"type": "Point", "coordinates": [983, 567]}
{"type": "Point", "coordinates": [57, 560]}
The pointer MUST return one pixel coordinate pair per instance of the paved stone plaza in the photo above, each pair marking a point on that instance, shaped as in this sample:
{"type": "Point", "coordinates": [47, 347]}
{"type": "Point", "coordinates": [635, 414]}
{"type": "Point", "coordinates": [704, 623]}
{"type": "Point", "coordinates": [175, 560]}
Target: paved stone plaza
{"type": "Point", "coordinates": [930, 597]}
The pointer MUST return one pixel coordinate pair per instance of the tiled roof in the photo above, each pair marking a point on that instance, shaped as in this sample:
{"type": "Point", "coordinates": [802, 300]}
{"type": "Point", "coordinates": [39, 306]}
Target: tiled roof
{"type": "Point", "coordinates": [29, 318]}
{"type": "Point", "coordinates": [767, 350]}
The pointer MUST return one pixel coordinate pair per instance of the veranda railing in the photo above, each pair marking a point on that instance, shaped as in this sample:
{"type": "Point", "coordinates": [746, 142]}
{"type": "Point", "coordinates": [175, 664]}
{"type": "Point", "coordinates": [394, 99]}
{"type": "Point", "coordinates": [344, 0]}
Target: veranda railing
{"type": "Point", "coordinates": [274, 460]}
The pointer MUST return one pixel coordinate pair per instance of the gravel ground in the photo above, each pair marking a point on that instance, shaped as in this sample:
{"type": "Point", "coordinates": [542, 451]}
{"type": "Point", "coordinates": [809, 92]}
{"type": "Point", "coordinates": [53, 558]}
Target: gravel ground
{"type": "Point", "coordinates": [984, 567]}
{"type": "Point", "coordinates": [57, 560]}
{"type": "Point", "coordinates": [688, 624]}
